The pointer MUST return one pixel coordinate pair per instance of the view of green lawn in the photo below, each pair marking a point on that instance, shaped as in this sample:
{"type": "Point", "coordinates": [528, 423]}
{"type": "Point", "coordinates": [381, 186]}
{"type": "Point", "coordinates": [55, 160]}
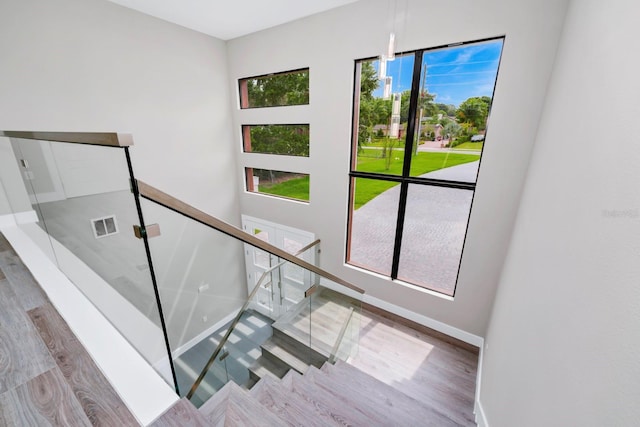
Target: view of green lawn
{"type": "Point", "coordinates": [381, 141]}
{"type": "Point", "coordinates": [367, 189]}
{"type": "Point", "coordinates": [469, 146]}
{"type": "Point", "coordinates": [295, 188]}
{"type": "Point", "coordinates": [425, 162]}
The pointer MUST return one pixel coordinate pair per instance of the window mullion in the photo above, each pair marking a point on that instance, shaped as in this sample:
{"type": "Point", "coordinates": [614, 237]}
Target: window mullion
{"type": "Point", "coordinates": [411, 116]}
{"type": "Point", "coordinates": [402, 204]}
{"type": "Point", "coordinates": [406, 168]}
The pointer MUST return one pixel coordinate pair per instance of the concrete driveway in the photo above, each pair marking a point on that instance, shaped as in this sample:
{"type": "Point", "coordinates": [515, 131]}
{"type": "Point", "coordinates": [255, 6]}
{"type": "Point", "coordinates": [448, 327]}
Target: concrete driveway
{"type": "Point", "coordinates": [434, 229]}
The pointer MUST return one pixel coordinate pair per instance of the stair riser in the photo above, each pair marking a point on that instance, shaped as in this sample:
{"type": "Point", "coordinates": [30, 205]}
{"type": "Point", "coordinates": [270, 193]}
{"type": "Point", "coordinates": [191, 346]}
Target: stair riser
{"type": "Point", "coordinates": [316, 357]}
{"type": "Point", "coordinates": [275, 359]}
{"type": "Point", "coordinates": [274, 369]}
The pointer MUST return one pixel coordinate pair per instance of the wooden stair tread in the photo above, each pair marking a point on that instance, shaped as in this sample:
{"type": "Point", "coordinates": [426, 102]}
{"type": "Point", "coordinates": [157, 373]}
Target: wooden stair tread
{"type": "Point", "coordinates": [390, 406]}
{"type": "Point", "coordinates": [264, 367]}
{"type": "Point", "coordinates": [233, 406]}
{"type": "Point", "coordinates": [296, 355]}
{"type": "Point", "coordinates": [289, 406]}
{"type": "Point", "coordinates": [182, 414]}
{"type": "Point", "coordinates": [330, 404]}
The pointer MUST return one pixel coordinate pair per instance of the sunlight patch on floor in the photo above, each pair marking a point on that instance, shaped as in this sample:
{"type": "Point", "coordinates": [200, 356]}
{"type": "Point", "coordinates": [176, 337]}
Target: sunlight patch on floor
{"type": "Point", "coordinates": [382, 346]}
{"type": "Point", "coordinates": [259, 323]}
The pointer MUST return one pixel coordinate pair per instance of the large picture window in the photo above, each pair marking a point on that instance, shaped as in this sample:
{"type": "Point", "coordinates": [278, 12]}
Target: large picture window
{"type": "Point", "coordinates": [420, 123]}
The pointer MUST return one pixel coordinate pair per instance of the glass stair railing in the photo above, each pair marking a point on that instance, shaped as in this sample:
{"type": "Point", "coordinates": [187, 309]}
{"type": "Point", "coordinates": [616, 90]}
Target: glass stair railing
{"type": "Point", "coordinates": [173, 279]}
{"type": "Point", "coordinates": [294, 315]}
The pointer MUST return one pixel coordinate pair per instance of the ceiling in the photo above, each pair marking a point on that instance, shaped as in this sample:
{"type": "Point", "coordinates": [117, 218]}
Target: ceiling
{"type": "Point", "coordinates": [230, 18]}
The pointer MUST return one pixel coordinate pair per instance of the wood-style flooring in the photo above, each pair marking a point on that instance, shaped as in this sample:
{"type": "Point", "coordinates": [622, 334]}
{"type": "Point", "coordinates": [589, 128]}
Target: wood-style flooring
{"type": "Point", "coordinates": [423, 364]}
{"type": "Point", "coordinates": [46, 376]}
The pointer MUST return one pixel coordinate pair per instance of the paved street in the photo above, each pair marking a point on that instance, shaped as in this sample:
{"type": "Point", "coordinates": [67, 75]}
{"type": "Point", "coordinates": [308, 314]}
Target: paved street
{"type": "Point", "coordinates": [434, 230]}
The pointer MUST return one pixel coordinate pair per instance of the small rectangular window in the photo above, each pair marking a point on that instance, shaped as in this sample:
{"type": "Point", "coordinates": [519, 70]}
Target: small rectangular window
{"type": "Point", "coordinates": [275, 90]}
{"type": "Point", "coordinates": [289, 185]}
{"type": "Point", "coordinates": [287, 140]}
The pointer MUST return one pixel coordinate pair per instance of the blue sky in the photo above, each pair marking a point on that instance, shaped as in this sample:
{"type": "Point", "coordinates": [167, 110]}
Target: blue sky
{"type": "Point", "coordinates": [452, 74]}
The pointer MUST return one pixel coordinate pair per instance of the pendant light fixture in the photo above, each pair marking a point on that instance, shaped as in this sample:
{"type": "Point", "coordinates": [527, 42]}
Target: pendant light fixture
{"type": "Point", "coordinates": [382, 68]}
{"type": "Point", "coordinates": [386, 94]}
{"type": "Point", "coordinates": [391, 49]}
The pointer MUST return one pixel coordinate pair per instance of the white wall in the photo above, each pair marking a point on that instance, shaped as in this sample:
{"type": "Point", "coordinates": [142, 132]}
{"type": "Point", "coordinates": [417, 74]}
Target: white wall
{"type": "Point", "coordinates": [329, 43]}
{"type": "Point", "coordinates": [91, 65]}
{"type": "Point", "coordinates": [564, 338]}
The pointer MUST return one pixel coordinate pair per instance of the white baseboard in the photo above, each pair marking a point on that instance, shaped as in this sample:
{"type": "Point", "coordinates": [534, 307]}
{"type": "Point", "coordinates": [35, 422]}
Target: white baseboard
{"type": "Point", "coordinates": [163, 366]}
{"type": "Point", "coordinates": [434, 324]}
{"type": "Point", "coordinates": [27, 217]}
{"type": "Point", "coordinates": [11, 220]}
{"type": "Point", "coordinates": [53, 196]}
{"type": "Point", "coordinates": [204, 334]}
{"type": "Point", "coordinates": [7, 221]}
{"type": "Point", "coordinates": [481, 419]}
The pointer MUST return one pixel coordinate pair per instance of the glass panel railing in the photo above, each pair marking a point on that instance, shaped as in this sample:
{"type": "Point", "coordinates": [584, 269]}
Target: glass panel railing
{"type": "Point", "coordinates": [83, 218]}
{"type": "Point", "coordinates": [322, 326]}
{"type": "Point", "coordinates": [347, 341]}
{"type": "Point", "coordinates": [202, 285]}
{"type": "Point", "coordinates": [267, 310]}
{"type": "Point", "coordinates": [204, 302]}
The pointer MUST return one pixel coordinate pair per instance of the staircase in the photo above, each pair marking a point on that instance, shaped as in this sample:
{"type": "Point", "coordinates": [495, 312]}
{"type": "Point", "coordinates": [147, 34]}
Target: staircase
{"type": "Point", "coordinates": [293, 383]}
{"type": "Point", "coordinates": [307, 335]}
{"type": "Point", "coordinates": [333, 395]}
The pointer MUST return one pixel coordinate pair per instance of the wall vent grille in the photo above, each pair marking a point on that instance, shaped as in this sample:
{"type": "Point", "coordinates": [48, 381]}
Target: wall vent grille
{"type": "Point", "coordinates": [104, 226]}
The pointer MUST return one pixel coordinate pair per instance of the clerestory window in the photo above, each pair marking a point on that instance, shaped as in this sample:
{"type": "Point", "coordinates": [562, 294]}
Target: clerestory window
{"type": "Point", "coordinates": [289, 88]}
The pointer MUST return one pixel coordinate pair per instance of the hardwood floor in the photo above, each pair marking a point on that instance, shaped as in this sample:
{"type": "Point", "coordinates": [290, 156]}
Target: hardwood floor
{"type": "Point", "coordinates": [96, 396]}
{"type": "Point", "coordinates": [42, 401]}
{"type": "Point", "coordinates": [46, 376]}
{"type": "Point", "coordinates": [428, 368]}
{"type": "Point", "coordinates": [30, 294]}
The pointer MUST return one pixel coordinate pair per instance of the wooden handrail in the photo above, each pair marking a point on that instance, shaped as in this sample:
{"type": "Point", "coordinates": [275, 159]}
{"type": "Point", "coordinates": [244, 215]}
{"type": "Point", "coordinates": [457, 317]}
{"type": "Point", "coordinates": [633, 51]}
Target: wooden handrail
{"type": "Point", "coordinates": [236, 320]}
{"type": "Point", "coordinates": [170, 202]}
{"type": "Point", "coordinates": [108, 139]}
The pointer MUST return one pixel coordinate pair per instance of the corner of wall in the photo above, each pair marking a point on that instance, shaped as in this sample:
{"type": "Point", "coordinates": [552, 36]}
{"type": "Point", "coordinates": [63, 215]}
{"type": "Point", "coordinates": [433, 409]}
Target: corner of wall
{"type": "Point", "coordinates": [478, 410]}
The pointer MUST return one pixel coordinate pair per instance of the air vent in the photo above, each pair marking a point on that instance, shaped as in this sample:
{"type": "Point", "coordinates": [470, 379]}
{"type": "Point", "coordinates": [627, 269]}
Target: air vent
{"type": "Point", "coordinates": [105, 226]}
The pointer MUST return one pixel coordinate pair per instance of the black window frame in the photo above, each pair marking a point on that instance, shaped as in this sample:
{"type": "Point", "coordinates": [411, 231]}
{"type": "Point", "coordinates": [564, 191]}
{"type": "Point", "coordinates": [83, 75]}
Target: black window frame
{"type": "Point", "coordinates": [406, 179]}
